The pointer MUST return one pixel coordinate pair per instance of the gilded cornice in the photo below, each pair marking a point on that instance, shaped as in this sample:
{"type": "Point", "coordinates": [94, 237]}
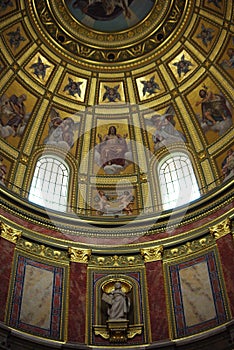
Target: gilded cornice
{"type": "Point", "coordinates": [42, 251]}
{"type": "Point", "coordinates": [9, 233]}
{"type": "Point", "coordinates": [152, 254]}
{"type": "Point", "coordinates": [189, 248]}
{"type": "Point", "coordinates": [221, 229]}
{"type": "Point", "coordinates": [70, 37]}
{"type": "Point", "coordinates": [79, 255]}
{"type": "Point", "coordinates": [115, 261]}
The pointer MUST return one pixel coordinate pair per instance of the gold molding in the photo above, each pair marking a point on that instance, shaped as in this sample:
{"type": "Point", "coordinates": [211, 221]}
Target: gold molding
{"type": "Point", "coordinates": [189, 248]}
{"type": "Point", "coordinates": [9, 233]}
{"type": "Point", "coordinates": [42, 250]}
{"type": "Point", "coordinates": [221, 229]}
{"type": "Point", "coordinates": [116, 261]}
{"type": "Point", "coordinates": [152, 254]}
{"type": "Point", "coordinates": [79, 255]}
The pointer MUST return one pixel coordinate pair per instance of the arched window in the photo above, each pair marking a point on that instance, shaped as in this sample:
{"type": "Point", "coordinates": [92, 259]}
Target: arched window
{"type": "Point", "coordinates": [178, 184]}
{"type": "Point", "coordinates": [49, 186]}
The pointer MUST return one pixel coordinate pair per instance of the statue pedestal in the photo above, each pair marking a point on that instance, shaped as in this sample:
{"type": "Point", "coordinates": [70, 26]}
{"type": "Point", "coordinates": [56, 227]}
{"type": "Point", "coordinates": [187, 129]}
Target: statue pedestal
{"type": "Point", "coordinates": [118, 330]}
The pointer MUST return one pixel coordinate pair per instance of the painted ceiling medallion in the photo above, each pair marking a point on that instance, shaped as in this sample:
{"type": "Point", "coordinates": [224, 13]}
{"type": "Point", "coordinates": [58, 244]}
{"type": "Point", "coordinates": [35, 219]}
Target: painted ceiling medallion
{"type": "Point", "coordinates": [109, 15]}
{"type": "Point", "coordinates": [101, 31]}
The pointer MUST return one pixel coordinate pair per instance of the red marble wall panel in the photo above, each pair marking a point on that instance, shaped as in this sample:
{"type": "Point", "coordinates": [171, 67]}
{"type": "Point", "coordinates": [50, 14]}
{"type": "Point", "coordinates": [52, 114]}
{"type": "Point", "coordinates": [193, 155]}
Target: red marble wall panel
{"type": "Point", "coordinates": [157, 301]}
{"type": "Point", "coordinates": [226, 252]}
{"type": "Point", "coordinates": [77, 303]}
{"type": "Point", "coordinates": [6, 257]}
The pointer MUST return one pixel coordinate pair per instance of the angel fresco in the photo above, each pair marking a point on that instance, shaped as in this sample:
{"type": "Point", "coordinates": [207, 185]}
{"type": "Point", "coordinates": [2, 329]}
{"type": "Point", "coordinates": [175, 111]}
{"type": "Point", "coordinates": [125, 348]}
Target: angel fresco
{"type": "Point", "coordinates": [111, 94]}
{"type": "Point", "coordinates": [13, 115]}
{"type": "Point", "coordinates": [3, 171]}
{"type": "Point", "coordinates": [206, 35]}
{"type": "Point", "coordinates": [5, 3]}
{"type": "Point", "coordinates": [114, 203]}
{"type": "Point", "coordinates": [39, 68]}
{"type": "Point", "coordinates": [165, 132]}
{"type": "Point", "coordinates": [216, 114]}
{"type": "Point", "coordinates": [73, 87]}
{"type": "Point", "coordinates": [61, 131]}
{"type": "Point", "coordinates": [215, 2]}
{"type": "Point", "coordinates": [228, 165]}
{"type": "Point", "coordinates": [15, 38]}
{"type": "Point", "coordinates": [183, 66]}
{"type": "Point", "coordinates": [112, 153]}
{"type": "Point", "coordinates": [103, 9]}
{"type": "Point", "coordinates": [229, 63]}
{"type": "Point", "coordinates": [149, 86]}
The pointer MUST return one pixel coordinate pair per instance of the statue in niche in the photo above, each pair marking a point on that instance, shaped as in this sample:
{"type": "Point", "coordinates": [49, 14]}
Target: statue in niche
{"type": "Point", "coordinates": [118, 303]}
{"type": "Point", "coordinates": [216, 114]}
{"type": "Point", "coordinates": [112, 152]}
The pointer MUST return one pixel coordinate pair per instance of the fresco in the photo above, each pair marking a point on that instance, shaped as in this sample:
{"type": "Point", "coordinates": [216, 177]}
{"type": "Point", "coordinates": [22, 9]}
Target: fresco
{"type": "Point", "coordinates": [212, 109]}
{"type": "Point", "coordinates": [16, 106]}
{"type": "Point", "coordinates": [62, 130]}
{"type": "Point", "coordinates": [73, 87]}
{"type": "Point", "coordinates": [182, 66]}
{"type": "Point", "coordinates": [109, 15]}
{"type": "Point", "coordinates": [111, 92]}
{"type": "Point", "coordinates": [148, 86]}
{"type": "Point", "coordinates": [114, 202]}
{"type": "Point", "coordinates": [164, 129]}
{"type": "Point", "coordinates": [112, 152]}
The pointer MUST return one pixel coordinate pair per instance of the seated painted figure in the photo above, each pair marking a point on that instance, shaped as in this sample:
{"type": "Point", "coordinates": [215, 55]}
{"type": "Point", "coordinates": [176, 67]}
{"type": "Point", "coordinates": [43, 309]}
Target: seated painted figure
{"type": "Point", "coordinates": [112, 152]}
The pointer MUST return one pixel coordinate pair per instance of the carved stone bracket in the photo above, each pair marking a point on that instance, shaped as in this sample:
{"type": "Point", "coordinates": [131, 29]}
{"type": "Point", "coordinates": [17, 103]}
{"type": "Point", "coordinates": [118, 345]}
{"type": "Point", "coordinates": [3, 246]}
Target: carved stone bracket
{"type": "Point", "coordinates": [223, 228]}
{"type": "Point", "coordinates": [79, 255]}
{"type": "Point", "coordinates": [152, 254]}
{"type": "Point", "coordinates": [9, 233]}
{"type": "Point", "coordinates": [118, 331]}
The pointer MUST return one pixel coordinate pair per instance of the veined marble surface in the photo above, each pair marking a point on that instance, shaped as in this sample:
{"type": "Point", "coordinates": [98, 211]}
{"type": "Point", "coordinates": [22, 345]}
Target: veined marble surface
{"type": "Point", "coordinates": [197, 294]}
{"type": "Point", "coordinates": [37, 297]}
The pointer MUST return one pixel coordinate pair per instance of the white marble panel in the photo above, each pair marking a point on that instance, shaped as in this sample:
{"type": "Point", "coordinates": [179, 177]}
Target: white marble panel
{"type": "Point", "coordinates": [197, 295]}
{"type": "Point", "coordinates": [37, 297]}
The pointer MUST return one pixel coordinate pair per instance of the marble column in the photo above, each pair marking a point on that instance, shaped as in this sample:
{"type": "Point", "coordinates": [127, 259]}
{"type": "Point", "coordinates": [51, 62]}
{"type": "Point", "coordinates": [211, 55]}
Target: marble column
{"type": "Point", "coordinates": [6, 256]}
{"type": "Point", "coordinates": [77, 303]}
{"type": "Point", "coordinates": [157, 301]}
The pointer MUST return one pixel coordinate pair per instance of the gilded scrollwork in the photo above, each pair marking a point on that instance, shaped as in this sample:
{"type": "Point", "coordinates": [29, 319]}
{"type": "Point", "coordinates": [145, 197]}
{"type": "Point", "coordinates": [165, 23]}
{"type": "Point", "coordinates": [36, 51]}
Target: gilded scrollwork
{"type": "Point", "coordinates": [221, 229]}
{"type": "Point", "coordinates": [115, 260]}
{"type": "Point", "coordinates": [188, 248]}
{"type": "Point", "coordinates": [152, 254]}
{"type": "Point", "coordinates": [9, 233]}
{"type": "Point", "coordinates": [42, 250]}
{"type": "Point", "coordinates": [161, 22]}
{"type": "Point", "coordinates": [79, 255]}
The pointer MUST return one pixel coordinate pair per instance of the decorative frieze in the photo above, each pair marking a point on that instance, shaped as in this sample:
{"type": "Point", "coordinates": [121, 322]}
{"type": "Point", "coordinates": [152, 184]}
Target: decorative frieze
{"type": "Point", "coordinates": [79, 255]}
{"type": "Point", "coordinates": [9, 233]}
{"type": "Point", "coordinates": [221, 229]}
{"type": "Point", "coordinates": [116, 260]}
{"type": "Point", "coordinates": [152, 254]}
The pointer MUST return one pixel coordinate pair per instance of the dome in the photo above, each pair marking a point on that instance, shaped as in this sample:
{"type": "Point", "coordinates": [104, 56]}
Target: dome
{"type": "Point", "coordinates": [116, 173]}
